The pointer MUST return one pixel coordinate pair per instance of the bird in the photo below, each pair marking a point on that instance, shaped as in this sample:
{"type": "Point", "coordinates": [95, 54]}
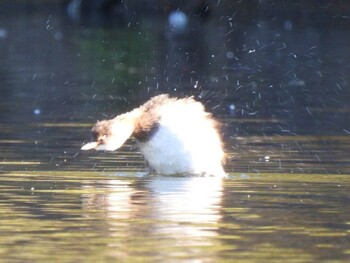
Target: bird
{"type": "Point", "coordinates": [176, 136]}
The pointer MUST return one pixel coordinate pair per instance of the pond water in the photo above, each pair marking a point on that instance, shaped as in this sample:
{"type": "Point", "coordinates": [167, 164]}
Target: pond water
{"type": "Point", "coordinates": [280, 90]}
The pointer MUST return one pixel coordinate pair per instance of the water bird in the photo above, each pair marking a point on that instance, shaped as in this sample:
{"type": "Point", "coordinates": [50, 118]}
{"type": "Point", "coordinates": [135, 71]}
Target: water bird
{"type": "Point", "coordinates": [175, 136]}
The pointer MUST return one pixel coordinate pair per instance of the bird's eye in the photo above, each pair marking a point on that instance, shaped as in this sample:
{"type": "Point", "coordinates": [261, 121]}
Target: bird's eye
{"type": "Point", "coordinates": [103, 137]}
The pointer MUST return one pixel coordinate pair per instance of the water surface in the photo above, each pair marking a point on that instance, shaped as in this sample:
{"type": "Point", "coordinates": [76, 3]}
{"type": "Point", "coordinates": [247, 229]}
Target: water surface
{"type": "Point", "coordinates": [65, 216]}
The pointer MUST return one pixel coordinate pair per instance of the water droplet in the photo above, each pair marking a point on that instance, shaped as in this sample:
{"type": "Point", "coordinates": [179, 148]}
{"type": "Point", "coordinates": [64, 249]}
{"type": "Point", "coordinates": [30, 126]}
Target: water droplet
{"type": "Point", "coordinates": [178, 20]}
{"type": "Point", "coordinates": [288, 25]}
{"type": "Point", "coordinates": [230, 55]}
{"type": "Point", "coordinates": [58, 36]}
{"type": "Point", "coordinates": [36, 111]}
{"type": "Point", "coordinates": [3, 33]}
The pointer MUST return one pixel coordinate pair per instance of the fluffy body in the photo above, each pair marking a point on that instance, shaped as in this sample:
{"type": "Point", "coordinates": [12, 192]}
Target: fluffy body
{"type": "Point", "coordinates": [176, 136]}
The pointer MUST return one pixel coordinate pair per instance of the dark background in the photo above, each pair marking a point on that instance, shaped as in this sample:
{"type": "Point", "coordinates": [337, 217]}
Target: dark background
{"type": "Point", "coordinates": [271, 67]}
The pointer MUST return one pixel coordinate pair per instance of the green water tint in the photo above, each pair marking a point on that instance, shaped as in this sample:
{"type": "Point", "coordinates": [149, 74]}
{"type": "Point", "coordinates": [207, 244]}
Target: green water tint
{"type": "Point", "coordinates": [79, 216]}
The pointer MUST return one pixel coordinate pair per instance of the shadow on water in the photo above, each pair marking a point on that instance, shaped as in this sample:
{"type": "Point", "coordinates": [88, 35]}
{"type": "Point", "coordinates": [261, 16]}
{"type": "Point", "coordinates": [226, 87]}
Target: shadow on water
{"type": "Point", "coordinates": [275, 74]}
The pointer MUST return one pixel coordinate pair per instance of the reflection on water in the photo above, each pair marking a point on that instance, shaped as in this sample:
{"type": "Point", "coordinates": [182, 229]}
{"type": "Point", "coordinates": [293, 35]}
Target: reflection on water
{"type": "Point", "coordinates": [69, 216]}
{"type": "Point", "coordinates": [182, 209]}
{"type": "Point", "coordinates": [199, 203]}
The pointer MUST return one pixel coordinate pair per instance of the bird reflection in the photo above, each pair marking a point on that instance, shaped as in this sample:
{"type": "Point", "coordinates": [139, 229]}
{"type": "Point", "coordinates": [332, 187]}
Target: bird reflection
{"type": "Point", "coordinates": [175, 207]}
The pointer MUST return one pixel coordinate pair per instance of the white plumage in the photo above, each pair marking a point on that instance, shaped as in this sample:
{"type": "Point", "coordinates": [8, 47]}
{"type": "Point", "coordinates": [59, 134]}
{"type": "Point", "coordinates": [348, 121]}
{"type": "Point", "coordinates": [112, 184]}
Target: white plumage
{"type": "Point", "coordinates": [176, 136]}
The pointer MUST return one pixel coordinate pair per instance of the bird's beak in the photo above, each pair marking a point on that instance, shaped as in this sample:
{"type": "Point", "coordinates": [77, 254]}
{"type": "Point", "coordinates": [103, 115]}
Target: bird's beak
{"type": "Point", "coordinates": [90, 145]}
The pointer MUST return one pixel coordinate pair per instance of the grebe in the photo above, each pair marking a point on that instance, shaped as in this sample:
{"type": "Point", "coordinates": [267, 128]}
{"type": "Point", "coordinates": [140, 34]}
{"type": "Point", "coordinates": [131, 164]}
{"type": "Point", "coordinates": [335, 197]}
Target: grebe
{"type": "Point", "coordinates": [176, 136]}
